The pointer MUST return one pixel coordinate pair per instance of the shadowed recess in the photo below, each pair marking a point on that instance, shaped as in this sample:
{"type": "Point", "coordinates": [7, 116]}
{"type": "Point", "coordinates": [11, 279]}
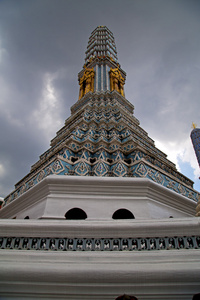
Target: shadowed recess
{"type": "Point", "coordinates": [123, 214]}
{"type": "Point", "coordinates": [75, 214]}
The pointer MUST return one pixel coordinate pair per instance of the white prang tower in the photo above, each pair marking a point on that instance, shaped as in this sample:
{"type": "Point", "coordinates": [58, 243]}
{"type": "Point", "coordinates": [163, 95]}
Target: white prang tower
{"type": "Point", "coordinates": [103, 212]}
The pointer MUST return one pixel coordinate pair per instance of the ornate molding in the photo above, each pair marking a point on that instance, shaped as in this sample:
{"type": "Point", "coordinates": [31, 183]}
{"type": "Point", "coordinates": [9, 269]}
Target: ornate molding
{"type": "Point", "coordinates": [100, 244]}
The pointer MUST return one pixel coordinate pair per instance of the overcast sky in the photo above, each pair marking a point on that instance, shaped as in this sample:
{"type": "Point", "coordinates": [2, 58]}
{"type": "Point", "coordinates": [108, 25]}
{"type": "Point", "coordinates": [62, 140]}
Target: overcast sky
{"type": "Point", "coordinates": [42, 49]}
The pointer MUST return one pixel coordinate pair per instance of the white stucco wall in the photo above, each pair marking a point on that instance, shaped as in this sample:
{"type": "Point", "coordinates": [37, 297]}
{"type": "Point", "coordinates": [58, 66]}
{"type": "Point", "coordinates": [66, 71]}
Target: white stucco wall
{"type": "Point", "coordinates": [99, 197]}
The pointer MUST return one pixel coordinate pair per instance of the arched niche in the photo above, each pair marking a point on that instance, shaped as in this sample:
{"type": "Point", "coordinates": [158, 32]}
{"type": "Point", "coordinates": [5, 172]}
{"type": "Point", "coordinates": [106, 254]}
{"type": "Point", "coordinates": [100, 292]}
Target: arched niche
{"type": "Point", "coordinates": [122, 213]}
{"type": "Point", "coordinates": [76, 214]}
{"type": "Point", "coordinates": [126, 297]}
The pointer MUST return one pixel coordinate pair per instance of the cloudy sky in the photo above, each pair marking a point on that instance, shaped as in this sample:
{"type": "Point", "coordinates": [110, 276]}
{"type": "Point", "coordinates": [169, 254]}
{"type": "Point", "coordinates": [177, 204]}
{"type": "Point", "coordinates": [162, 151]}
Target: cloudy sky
{"type": "Point", "coordinates": [42, 49]}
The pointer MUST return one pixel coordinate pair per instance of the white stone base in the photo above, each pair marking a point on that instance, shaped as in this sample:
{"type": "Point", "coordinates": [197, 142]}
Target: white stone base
{"type": "Point", "coordinates": [103, 275]}
{"type": "Point", "coordinates": [147, 274]}
{"type": "Point", "coordinates": [45, 274]}
{"type": "Point", "coordinates": [99, 197]}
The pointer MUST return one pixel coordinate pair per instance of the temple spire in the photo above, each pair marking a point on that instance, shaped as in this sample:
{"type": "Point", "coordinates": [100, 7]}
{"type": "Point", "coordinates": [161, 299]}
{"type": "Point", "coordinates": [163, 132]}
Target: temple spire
{"type": "Point", "coordinates": [102, 137]}
{"type": "Point", "coordinates": [101, 43]}
{"type": "Point", "coordinates": [101, 71]}
{"type": "Point", "coordinates": [195, 137]}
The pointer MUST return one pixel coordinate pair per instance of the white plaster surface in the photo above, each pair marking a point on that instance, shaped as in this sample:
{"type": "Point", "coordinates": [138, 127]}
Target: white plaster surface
{"type": "Point", "coordinates": [99, 197]}
{"type": "Point", "coordinates": [103, 275]}
{"type": "Point", "coordinates": [98, 229]}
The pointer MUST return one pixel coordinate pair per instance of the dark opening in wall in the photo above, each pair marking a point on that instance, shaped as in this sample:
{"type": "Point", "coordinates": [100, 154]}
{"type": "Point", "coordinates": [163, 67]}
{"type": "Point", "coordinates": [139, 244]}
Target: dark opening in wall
{"type": "Point", "coordinates": [196, 297]}
{"type": "Point", "coordinates": [109, 160]}
{"type": "Point", "coordinates": [75, 214]}
{"type": "Point", "coordinates": [73, 159]}
{"type": "Point", "coordinates": [27, 217]}
{"type": "Point", "coordinates": [128, 161]}
{"type": "Point", "coordinates": [123, 214]}
{"type": "Point", "coordinates": [126, 297]}
{"type": "Point", "coordinates": [92, 160]}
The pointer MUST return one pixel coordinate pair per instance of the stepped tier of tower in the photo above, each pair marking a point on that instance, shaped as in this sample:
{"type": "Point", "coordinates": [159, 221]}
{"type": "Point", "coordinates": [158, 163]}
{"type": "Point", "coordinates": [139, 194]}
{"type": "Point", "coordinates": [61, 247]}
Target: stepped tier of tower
{"type": "Point", "coordinates": [103, 138]}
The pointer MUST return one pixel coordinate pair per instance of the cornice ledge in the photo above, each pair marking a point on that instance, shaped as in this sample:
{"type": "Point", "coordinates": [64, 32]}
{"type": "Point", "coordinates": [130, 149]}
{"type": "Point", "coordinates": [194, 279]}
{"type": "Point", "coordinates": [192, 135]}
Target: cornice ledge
{"type": "Point", "coordinates": [95, 229]}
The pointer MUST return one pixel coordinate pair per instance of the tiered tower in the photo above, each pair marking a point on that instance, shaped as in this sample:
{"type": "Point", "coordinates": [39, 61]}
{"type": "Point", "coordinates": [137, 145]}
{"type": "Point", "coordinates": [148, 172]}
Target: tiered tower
{"type": "Point", "coordinates": [195, 137]}
{"type": "Point", "coordinates": [101, 71]}
{"type": "Point", "coordinates": [102, 137]}
{"type": "Point", "coordinates": [98, 213]}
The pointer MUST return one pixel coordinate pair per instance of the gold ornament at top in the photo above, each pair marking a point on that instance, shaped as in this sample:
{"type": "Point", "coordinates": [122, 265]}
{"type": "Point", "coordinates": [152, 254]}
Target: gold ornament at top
{"type": "Point", "coordinates": [86, 82]}
{"type": "Point", "coordinates": [194, 125]}
{"type": "Point", "coordinates": [116, 81]}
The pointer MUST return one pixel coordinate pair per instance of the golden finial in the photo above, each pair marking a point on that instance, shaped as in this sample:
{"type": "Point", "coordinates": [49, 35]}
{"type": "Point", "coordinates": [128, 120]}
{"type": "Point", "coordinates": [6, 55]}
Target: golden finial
{"type": "Point", "coordinates": [194, 125]}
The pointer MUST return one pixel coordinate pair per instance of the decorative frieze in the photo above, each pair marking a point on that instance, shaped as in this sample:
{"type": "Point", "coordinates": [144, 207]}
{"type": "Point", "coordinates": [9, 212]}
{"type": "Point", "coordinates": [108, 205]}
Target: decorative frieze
{"type": "Point", "coordinates": [101, 244]}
